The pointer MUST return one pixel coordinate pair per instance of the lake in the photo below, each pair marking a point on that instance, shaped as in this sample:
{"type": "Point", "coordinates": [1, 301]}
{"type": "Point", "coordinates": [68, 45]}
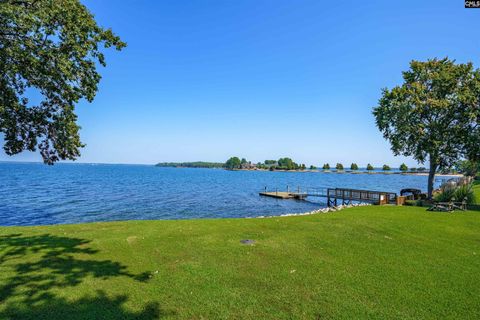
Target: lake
{"type": "Point", "coordinates": [36, 194]}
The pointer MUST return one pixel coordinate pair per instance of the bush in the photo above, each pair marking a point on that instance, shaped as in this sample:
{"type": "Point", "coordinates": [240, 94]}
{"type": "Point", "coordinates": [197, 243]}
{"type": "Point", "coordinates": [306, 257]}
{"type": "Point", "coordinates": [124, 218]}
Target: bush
{"type": "Point", "coordinates": [445, 195]}
{"type": "Point", "coordinates": [457, 194]}
{"type": "Point", "coordinates": [411, 203]}
{"type": "Point", "coordinates": [416, 203]}
{"type": "Point", "coordinates": [465, 192]}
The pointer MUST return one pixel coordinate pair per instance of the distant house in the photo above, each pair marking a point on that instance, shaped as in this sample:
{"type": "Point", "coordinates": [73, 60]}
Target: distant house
{"type": "Point", "coordinates": [248, 166]}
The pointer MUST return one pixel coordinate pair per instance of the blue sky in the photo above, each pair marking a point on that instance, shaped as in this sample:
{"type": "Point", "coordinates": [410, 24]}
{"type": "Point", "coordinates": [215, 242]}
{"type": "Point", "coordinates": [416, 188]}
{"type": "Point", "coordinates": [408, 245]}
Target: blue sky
{"type": "Point", "coordinates": [205, 80]}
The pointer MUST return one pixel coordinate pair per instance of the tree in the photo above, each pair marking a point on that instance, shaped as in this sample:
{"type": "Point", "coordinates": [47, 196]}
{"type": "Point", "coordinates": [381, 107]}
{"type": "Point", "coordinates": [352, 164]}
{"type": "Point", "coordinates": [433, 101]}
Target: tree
{"type": "Point", "coordinates": [468, 168]}
{"type": "Point", "coordinates": [50, 48]}
{"type": "Point", "coordinates": [434, 115]}
{"type": "Point", "coordinates": [339, 167]}
{"type": "Point", "coordinates": [244, 164]}
{"type": "Point", "coordinates": [233, 163]}
{"type": "Point", "coordinates": [403, 167]}
{"type": "Point", "coordinates": [370, 167]}
{"type": "Point", "coordinates": [312, 167]}
{"type": "Point", "coordinates": [326, 166]}
{"type": "Point", "coordinates": [287, 164]}
{"type": "Point", "coordinates": [353, 166]}
{"type": "Point", "coordinates": [270, 162]}
{"type": "Point", "coordinates": [386, 167]}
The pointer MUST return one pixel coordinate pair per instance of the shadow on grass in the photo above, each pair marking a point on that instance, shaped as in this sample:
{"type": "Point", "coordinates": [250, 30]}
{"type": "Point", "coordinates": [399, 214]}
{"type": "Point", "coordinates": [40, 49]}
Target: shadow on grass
{"type": "Point", "coordinates": [44, 264]}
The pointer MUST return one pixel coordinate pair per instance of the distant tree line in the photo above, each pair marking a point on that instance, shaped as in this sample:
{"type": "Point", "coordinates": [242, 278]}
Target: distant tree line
{"type": "Point", "coordinates": [195, 164]}
{"type": "Point", "coordinates": [354, 167]}
{"type": "Point", "coordinates": [288, 164]}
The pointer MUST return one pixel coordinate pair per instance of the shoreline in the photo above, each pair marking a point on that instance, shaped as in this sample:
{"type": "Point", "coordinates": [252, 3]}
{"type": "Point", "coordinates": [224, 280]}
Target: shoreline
{"type": "Point", "coordinates": [355, 172]}
{"type": "Point", "coordinates": [408, 173]}
{"type": "Point", "coordinates": [317, 211]}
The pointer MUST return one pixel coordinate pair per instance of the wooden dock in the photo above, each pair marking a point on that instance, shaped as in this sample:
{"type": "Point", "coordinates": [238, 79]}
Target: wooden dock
{"type": "Point", "coordinates": [284, 195]}
{"type": "Point", "coordinates": [335, 195]}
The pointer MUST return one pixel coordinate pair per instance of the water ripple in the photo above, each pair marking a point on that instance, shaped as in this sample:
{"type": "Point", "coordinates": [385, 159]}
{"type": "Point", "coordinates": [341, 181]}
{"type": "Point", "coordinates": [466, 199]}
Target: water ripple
{"type": "Point", "coordinates": [33, 194]}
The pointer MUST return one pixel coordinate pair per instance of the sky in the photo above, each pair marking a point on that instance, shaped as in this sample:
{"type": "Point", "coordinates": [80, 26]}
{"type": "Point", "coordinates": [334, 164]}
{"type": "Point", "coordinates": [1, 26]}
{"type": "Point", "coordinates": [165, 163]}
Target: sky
{"type": "Point", "coordinates": [206, 80]}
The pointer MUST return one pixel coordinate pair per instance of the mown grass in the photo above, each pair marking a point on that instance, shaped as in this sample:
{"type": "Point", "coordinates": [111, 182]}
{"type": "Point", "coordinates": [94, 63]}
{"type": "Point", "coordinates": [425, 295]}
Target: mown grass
{"type": "Point", "coordinates": [360, 263]}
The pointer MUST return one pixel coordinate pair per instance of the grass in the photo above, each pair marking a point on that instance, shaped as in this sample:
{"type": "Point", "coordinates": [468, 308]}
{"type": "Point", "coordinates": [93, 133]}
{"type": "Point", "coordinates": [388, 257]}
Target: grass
{"type": "Point", "coordinates": [476, 191]}
{"type": "Point", "coordinates": [360, 263]}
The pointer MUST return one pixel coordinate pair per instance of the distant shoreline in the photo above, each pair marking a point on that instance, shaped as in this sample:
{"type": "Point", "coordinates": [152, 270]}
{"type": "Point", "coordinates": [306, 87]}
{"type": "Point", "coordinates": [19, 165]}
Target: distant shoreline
{"type": "Point", "coordinates": [359, 172]}
{"type": "Point", "coordinates": [330, 171]}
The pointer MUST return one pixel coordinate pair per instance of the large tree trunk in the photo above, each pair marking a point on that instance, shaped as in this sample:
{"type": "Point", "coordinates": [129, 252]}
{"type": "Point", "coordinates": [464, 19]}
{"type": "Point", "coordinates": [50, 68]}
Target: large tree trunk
{"type": "Point", "coordinates": [431, 177]}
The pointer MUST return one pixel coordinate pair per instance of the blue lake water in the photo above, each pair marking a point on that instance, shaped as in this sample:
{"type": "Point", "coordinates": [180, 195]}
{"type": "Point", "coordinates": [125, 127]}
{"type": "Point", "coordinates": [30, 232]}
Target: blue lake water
{"type": "Point", "coordinates": [36, 194]}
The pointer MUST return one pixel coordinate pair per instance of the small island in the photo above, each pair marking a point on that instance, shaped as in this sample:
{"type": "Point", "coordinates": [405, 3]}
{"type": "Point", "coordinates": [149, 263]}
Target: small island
{"type": "Point", "coordinates": [235, 163]}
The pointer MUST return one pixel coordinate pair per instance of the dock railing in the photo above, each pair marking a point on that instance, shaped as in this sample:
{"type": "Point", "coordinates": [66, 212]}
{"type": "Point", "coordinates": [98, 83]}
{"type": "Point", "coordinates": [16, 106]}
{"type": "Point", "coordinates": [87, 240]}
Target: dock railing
{"type": "Point", "coordinates": [334, 195]}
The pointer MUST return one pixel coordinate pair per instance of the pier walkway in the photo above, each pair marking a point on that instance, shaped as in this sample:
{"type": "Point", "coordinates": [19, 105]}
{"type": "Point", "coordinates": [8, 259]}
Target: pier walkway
{"type": "Point", "coordinates": [334, 196]}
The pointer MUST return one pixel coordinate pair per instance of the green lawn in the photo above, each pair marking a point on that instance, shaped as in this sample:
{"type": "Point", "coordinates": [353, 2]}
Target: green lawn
{"type": "Point", "coordinates": [365, 262]}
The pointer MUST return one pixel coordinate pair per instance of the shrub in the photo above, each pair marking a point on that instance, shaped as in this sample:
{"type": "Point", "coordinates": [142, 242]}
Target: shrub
{"type": "Point", "coordinates": [411, 203]}
{"type": "Point", "coordinates": [457, 194]}
{"type": "Point", "coordinates": [445, 195]}
{"type": "Point", "coordinates": [465, 192]}
{"type": "Point", "coordinates": [416, 203]}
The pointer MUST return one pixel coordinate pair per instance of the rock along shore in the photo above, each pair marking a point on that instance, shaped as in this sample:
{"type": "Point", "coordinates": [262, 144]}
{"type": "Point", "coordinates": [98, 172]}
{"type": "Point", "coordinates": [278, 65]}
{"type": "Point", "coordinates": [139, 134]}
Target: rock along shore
{"type": "Point", "coordinates": [322, 210]}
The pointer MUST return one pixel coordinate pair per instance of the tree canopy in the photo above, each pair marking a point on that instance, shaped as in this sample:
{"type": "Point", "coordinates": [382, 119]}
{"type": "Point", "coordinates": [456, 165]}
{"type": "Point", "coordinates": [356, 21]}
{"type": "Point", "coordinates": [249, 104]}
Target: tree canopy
{"type": "Point", "coordinates": [233, 163]}
{"type": "Point", "coordinates": [386, 167]}
{"type": "Point", "coordinates": [339, 166]}
{"type": "Point", "coordinates": [287, 164]}
{"type": "Point", "coordinates": [468, 168]}
{"type": "Point", "coordinates": [434, 115]}
{"type": "Point", "coordinates": [370, 167]}
{"type": "Point", "coordinates": [51, 48]}
{"type": "Point", "coordinates": [354, 166]}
